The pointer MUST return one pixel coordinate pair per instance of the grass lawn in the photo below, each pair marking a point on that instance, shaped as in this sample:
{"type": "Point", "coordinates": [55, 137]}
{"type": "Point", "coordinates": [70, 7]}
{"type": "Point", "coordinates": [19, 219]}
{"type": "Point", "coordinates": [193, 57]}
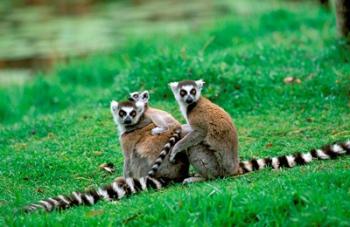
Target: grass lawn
{"type": "Point", "coordinates": [57, 129]}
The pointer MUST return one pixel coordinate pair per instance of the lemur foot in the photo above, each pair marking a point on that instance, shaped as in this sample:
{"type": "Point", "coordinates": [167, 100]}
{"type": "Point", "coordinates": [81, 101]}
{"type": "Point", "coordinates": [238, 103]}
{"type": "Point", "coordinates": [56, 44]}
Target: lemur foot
{"type": "Point", "coordinates": [193, 180]}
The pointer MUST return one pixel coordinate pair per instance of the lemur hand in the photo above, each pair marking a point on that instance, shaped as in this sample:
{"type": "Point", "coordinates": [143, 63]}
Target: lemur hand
{"type": "Point", "coordinates": [158, 130]}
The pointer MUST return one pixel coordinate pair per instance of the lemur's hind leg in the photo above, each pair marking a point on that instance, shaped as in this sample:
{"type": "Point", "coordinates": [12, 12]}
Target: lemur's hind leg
{"type": "Point", "coordinates": [205, 161]}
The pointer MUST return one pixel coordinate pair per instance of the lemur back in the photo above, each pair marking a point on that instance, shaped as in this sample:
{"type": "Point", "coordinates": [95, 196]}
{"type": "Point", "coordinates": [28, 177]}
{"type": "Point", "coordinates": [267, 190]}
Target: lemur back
{"type": "Point", "coordinates": [221, 133]}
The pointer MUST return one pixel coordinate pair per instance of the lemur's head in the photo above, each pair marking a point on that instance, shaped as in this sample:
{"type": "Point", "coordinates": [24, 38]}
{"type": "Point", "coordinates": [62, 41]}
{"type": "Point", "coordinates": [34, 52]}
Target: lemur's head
{"type": "Point", "coordinates": [126, 113]}
{"type": "Point", "coordinates": [139, 96]}
{"type": "Point", "coordinates": [187, 91]}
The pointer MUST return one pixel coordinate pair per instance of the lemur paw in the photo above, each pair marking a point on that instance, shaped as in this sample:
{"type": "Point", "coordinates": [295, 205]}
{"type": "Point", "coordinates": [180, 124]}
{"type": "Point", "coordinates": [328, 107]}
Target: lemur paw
{"type": "Point", "coordinates": [190, 180]}
{"type": "Point", "coordinates": [158, 130]}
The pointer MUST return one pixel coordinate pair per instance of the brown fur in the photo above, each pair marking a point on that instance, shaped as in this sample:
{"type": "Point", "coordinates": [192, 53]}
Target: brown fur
{"type": "Point", "coordinates": [212, 143]}
{"type": "Point", "coordinates": [221, 134]}
{"type": "Point", "coordinates": [141, 149]}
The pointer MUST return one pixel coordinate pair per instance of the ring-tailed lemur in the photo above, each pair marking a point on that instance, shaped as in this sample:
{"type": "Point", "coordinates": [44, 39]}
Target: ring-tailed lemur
{"type": "Point", "coordinates": [141, 149]}
{"type": "Point", "coordinates": [212, 145]}
{"type": "Point", "coordinates": [163, 120]}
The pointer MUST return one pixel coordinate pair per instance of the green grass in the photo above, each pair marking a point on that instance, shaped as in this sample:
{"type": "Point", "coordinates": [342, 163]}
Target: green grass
{"type": "Point", "coordinates": [56, 130]}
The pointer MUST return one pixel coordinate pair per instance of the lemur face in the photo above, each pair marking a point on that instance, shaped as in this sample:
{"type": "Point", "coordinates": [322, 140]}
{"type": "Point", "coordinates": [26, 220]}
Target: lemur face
{"type": "Point", "coordinates": [139, 96]}
{"type": "Point", "coordinates": [187, 91]}
{"type": "Point", "coordinates": [126, 113]}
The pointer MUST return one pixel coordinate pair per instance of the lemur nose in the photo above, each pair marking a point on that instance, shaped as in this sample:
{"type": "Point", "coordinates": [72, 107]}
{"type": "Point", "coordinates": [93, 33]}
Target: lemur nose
{"type": "Point", "coordinates": [127, 120]}
{"type": "Point", "coordinates": [189, 100]}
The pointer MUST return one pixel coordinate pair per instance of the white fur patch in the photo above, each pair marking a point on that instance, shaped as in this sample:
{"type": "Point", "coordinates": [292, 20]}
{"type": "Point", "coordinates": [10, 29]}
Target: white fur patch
{"type": "Point", "coordinates": [347, 144]}
{"type": "Point", "coordinates": [158, 185]}
{"type": "Point", "coordinates": [46, 204]}
{"type": "Point", "coordinates": [38, 206]}
{"type": "Point", "coordinates": [183, 109]}
{"type": "Point", "coordinates": [248, 165]}
{"type": "Point", "coordinates": [54, 201]}
{"type": "Point", "coordinates": [127, 109]}
{"type": "Point", "coordinates": [90, 199]}
{"type": "Point", "coordinates": [307, 157]}
{"type": "Point", "coordinates": [63, 199]}
{"type": "Point", "coordinates": [103, 193]}
{"type": "Point", "coordinates": [120, 192]}
{"type": "Point", "coordinates": [290, 160]}
{"type": "Point", "coordinates": [275, 163]}
{"type": "Point", "coordinates": [143, 183]}
{"type": "Point", "coordinates": [130, 183]}
{"type": "Point", "coordinates": [338, 149]}
{"type": "Point", "coordinates": [193, 179]}
{"type": "Point", "coordinates": [158, 130]}
{"type": "Point", "coordinates": [261, 163]}
{"type": "Point", "coordinates": [77, 196]}
{"type": "Point", "coordinates": [321, 154]}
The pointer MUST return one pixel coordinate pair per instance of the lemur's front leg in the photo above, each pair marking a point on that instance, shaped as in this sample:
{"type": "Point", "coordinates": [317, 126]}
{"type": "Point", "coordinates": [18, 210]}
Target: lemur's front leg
{"type": "Point", "coordinates": [193, 138]}
{"type": "Point", "coordinates": [127, 172]}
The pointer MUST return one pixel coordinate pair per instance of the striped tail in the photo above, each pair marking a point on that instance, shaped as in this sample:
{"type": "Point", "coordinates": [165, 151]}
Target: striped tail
{"type": "Point", "coordinates": [115, 191]}
{"type": "Point", "coordinates": [176, 136]}
{"type": "Point", "coordinates": [288, 161]}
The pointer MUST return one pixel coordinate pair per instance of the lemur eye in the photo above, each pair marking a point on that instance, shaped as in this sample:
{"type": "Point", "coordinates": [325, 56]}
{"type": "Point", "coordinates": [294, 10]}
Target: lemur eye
{"type": "Point", "coordinates": [133, 113]}
{"type": "Point", "coordinates": [183, 93]}
{"type": "Point", "coordinates": [122, 113]}
{"type": "Point", "coordinates": [193, 91]}
{"type": "Point", "coordinates": [136, 96]}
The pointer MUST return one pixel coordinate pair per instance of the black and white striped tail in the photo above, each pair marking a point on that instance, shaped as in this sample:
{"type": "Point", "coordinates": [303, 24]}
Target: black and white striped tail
{"type": "Point", "coordinates": [176, 136]}
{"type": "Point", "coordinates": [115, 191]}
{"type": "Point", "coordinates": [288, 161]}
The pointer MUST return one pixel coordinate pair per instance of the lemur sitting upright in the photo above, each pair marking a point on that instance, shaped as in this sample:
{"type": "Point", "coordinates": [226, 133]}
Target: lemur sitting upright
{"type": "Point", "coordinates": [212, 145]}
{"type": "Point", "coordinates": [141, 149]}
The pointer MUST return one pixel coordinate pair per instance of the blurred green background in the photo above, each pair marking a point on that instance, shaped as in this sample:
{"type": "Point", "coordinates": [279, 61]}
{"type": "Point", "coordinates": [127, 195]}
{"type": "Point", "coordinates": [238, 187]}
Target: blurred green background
{"type": "Point", "coordinates": [36, 34]}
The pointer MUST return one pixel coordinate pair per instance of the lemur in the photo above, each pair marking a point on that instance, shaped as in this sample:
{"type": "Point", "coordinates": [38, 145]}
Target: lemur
{"type": "Point", "coordinates": [212, 143]}
{"type": "Point", "coordinates": [141, 149]}
{"type": "Point", "coordinates": [163, 120]}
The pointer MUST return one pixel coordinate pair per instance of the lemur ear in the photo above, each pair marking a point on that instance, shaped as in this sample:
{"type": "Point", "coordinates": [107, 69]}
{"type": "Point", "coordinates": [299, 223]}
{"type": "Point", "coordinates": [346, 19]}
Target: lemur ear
{"type": "Point", "coordinates": [173, 85]}
{"type": "Point", "coordinates": [114, 106]}
{"type": "Point", "coordinates": [200, 83]}
{"type": "Point", "coordinates": [144, 96]}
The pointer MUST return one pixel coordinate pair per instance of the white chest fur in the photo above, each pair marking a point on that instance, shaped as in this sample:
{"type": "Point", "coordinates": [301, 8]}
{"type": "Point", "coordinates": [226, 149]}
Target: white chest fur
{"type": "Point", "coordinates": [183, 109]}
